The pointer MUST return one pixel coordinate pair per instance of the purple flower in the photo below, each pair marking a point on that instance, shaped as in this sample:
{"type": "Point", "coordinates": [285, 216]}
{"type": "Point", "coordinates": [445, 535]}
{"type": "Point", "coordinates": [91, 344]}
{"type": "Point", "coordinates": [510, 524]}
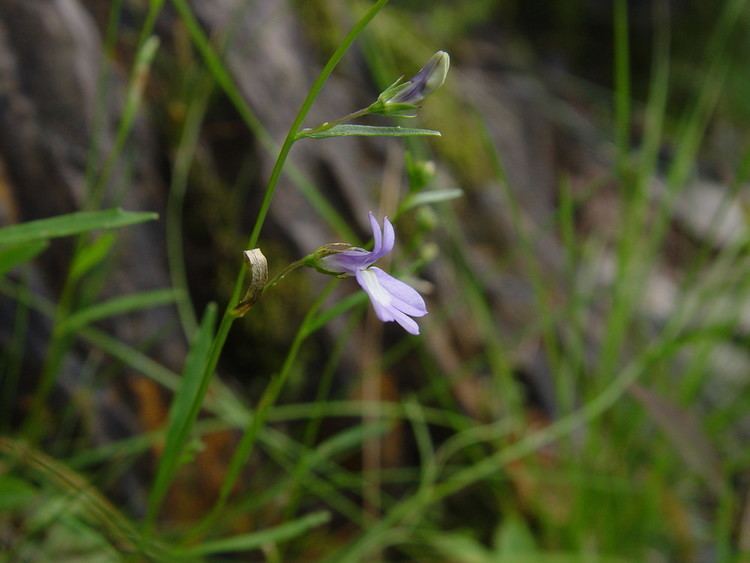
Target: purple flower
{"type": "Point", "coordinates": [392, 299]}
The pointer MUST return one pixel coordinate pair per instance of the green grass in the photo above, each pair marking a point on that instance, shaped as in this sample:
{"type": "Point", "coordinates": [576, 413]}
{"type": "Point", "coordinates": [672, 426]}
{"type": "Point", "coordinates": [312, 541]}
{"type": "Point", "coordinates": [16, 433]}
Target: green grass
{"type": "Point", "coordinates": [431, 448]}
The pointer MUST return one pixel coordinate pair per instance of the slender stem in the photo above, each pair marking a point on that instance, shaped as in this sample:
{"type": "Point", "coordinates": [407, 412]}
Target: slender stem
{"type": "Point", "coordinates": [184, 155]}
{"type": "Point", "coordinates": [622, 84]}
{"type": "Point", "coordinates": [285, 272]}
{"type": "Point", "coordinates": [312, 95]}
{"type": "Point", "coordinates": [228, 318]}
{"type": "Point", "coordinates": [154, 9]}
{"type": "Point", "coordinates": [224, 81]}
{"type": "Point", "coordinates": [330, 124]}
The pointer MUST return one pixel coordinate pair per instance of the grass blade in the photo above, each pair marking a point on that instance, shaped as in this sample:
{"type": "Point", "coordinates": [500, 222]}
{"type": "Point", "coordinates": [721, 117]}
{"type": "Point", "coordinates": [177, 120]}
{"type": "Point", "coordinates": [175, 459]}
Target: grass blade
{"type": "Point", "coordinates": [93, 506]}
{"type": "Point", "coordinates": [15, 493]}
{"type": "Point", "coordinates": [91, 255]}
{"type": "Point", "coordinates": [15, 255]}
{"type": "Point", "coordinates": [72, 224]}
{"type": "Point", "coordinates": [247, 542]}
{"type": "Point", "coordinates": [429, 197]}
{"type": "Point", "coordinates": [118, 306]}
{"type": "Point", "coordinates": [184, 410]}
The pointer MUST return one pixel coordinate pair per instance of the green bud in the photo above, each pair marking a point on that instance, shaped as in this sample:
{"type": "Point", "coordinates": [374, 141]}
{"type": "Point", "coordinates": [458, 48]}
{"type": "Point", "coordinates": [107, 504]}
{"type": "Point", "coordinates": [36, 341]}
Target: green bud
{"type": "Point", "coordinates": [402, 99]}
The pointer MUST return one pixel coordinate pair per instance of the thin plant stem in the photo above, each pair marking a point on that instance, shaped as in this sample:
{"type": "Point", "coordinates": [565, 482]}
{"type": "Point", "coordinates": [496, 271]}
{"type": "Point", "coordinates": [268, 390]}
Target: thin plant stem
{"type": "Point", "coordinates": [184, 155]}
{"type": "Point", "coordinates": [286, 147]}
{"type": "Point", "coordinates": [622, 84]}
{"type": "Point", "coordinates": [224, 81]}
{"type": "Point", "coordinates": [245, 448]}
{"type": "Point", "coordinates": [313, 425]}
{"type": "Point", "coordinates": [330, 124]}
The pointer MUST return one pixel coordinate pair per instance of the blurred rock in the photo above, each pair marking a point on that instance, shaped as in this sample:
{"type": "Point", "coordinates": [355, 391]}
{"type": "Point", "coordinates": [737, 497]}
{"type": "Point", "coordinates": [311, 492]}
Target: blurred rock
{"type": "Point", "coordinates": [711, 213]}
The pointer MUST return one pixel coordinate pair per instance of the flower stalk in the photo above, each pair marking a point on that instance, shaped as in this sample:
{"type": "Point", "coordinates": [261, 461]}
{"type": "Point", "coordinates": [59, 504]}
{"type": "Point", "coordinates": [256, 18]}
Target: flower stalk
{"type": "Point", "coordinates": [400, 99]}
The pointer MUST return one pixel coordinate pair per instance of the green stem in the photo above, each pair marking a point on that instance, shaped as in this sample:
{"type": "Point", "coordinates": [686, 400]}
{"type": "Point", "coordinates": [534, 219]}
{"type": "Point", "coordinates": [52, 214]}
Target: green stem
{"type": "Point", "coordinates": [312, 95]}
{"type": "Point", "coordinates": [622, 84]}
{"type": "Point", "coordinates": [330, 124]}
{"type": "Point", "coordinates": [224, 81]}
{"type": "Point", "coordinates": [184, 155]}
{"type": "Point", "coordinates": [228, 317]}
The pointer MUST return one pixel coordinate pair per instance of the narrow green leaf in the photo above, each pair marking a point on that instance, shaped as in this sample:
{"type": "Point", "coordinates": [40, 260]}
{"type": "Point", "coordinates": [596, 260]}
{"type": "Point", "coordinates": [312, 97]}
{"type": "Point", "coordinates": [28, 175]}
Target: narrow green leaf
{"type": "Point", "coordinates": [12, 256]}
{"type": "Point", "coordinates": [118, 306]}
{"type": "Point", "coordinates": [428, 197]}
{"type": "Point", "coordinates": [460, 548]}
{"type": "Point", "coordinates": [247, 542]}
{"type": "Point", "coordinates": [350, 438]}
{"type": "Point", "coordinates": [349, 130]}
{"type": "Point", "coordinates": [72, 224]}
{"type": "Point", "coordinates": [184, 410]}
{"type": "Point", "coordinates": [91, 255]}
{"type": "Point", "coordinates": [513, 537]}
{"type": "Point", "coordinates": [14, 492]}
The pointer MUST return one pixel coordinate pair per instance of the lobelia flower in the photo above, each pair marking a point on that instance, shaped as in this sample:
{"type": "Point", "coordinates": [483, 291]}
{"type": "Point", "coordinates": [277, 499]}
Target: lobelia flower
{"type": "Point", "coordinates": [392, 299]}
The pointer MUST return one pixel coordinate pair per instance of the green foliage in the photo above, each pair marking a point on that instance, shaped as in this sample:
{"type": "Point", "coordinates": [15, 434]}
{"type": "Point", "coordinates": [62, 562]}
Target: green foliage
{"type": "Point", "coordinates": [16, 254]}
{"type": "Point", "coordinates": [450, 463]}
{"type": "Point", "coordinates": [184, 411]}
{"type": "Point", "coordinates": [117, 306]}
{"type": "Point", "coordinates": [257, 540]}
{"type": "Point", "coordinates": [72, 224]}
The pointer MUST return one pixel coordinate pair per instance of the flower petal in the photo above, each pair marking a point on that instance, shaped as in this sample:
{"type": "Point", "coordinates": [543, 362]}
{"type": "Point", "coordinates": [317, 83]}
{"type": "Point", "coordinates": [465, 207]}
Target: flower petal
{"type": "Point", "coordinates": [383, 240]}
{"type": "Point", "coordinates": [402, 296]}
{"type": "Point", "coordinates": [392, 306]}
{"type": "Point", "coordinates": [379, 297]}
{"type": "Point", "coordinates": [389, 237]}
{"type": "Point", "coordinates": [376, 236]}
{"type": "Point", "coordinates": [408, 324]}
{"type": "Point", "coordinates": [347, 262]}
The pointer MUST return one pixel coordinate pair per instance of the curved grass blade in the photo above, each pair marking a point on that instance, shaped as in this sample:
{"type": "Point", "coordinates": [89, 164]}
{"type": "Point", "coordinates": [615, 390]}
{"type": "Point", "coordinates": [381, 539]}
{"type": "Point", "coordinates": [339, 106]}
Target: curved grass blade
{"type": "Point", "coordinates": [429, 197]}
{"type": "Point", "coordinates": [184, 410]}
{"type": "Point", "coordinates": [118, 306]}
{"type": "Point", "coordinates": [248, 542]}
{"type": "Point", "coordinates": [72, 224]}
{"type": "Point", "coordinates": [12, 256]}
{"type": "Point", "coordinates": [94, 508]}
{"type": "Point", "coordinates": [91, 255]}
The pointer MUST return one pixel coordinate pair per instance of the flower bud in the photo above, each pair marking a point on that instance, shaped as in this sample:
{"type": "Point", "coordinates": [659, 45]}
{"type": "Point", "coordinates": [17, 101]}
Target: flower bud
{"type": "Point", "coordinates": [420, 173]}
{"type": "Point", "coordinates": [430, 77]}
{"type": "Point", "coordinates": [401, 99]}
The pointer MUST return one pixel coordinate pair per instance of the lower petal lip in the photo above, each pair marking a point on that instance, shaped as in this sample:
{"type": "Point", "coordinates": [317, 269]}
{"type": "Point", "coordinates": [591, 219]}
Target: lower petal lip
{"type": "Point", "coordinates": [387, 300]}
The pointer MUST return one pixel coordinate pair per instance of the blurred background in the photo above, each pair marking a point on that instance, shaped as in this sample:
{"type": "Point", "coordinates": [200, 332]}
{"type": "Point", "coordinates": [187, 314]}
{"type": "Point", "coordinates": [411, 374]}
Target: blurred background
{"type": "Point", "coordinates": [579, 391]}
